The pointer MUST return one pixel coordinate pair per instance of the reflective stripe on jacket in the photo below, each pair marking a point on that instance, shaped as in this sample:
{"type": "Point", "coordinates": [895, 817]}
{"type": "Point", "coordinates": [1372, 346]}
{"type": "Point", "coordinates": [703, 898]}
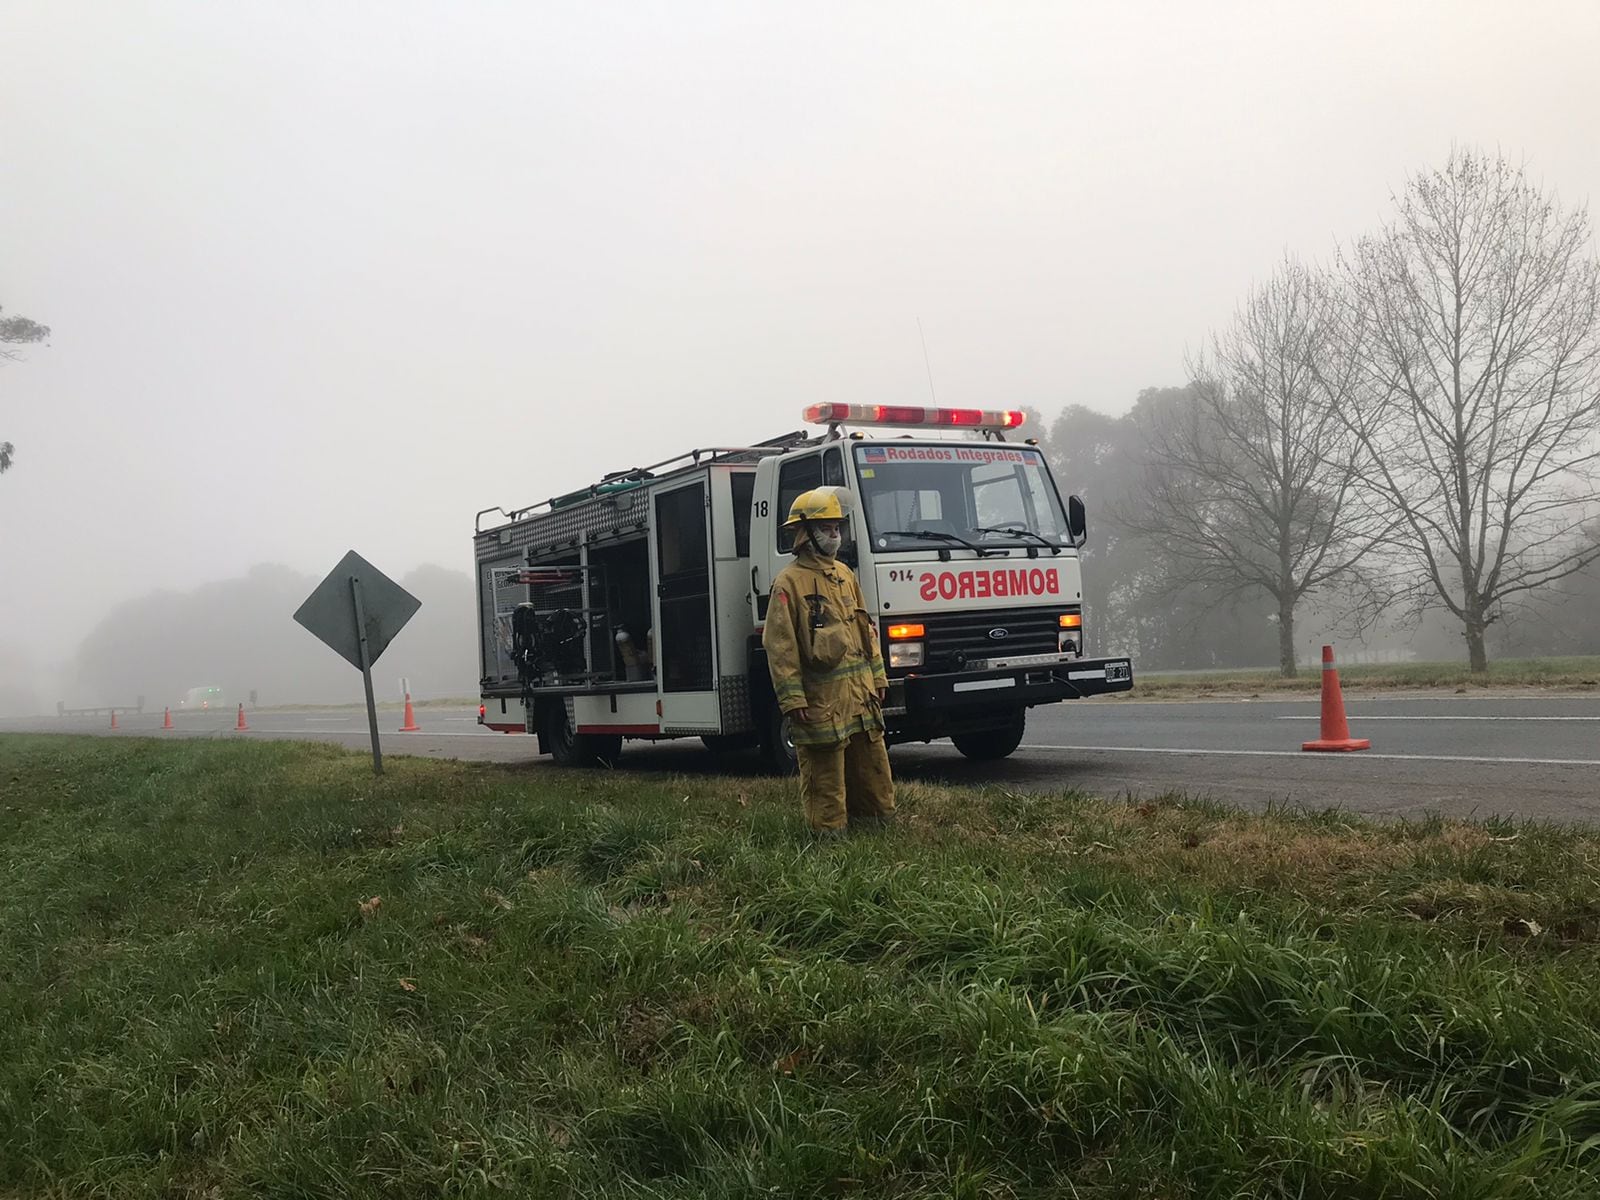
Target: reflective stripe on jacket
{"type": "Point", "coordinates": [822, 649]}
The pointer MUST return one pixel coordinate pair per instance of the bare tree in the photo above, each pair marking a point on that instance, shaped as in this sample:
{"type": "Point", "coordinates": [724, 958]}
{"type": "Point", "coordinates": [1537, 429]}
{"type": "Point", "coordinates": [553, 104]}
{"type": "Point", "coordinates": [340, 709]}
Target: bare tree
{"type": "Point", "coordinates": [1252, 486]}
{"type": "Point", "coordinates": [16, 331]}
{"type": "Point", "coordinates": [1478, 311]}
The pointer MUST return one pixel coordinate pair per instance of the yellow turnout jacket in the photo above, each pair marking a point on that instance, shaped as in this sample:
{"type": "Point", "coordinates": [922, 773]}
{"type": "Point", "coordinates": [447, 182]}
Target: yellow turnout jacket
{"type": "Point", "coordinates": [822, 649]}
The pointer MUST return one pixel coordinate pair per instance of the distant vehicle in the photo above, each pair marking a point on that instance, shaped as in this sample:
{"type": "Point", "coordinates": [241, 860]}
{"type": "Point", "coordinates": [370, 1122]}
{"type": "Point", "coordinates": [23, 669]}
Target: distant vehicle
{"type": "Point", "coordinates": [202, 698]}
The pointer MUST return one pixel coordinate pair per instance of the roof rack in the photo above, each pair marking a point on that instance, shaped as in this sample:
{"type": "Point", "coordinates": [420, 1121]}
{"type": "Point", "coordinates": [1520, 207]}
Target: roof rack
{"type": "Point", "coordinates": [626, 480]}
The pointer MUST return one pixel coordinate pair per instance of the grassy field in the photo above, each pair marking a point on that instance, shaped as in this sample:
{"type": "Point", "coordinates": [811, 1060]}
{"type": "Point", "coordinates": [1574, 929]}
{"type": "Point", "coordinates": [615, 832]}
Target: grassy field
{"type": "Point", "coordinates": [233, 969]}
{"type": "Point", "coordinates": [1578, 673]}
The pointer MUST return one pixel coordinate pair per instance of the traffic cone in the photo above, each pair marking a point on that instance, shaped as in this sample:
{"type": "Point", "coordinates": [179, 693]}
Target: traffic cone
{"type": "Point", "coordinates": [1335, 729]}
{"type": "Point", "coordinates": [166, 719]}
{"type": "Point", "coordinates": [411, 725]}
{"type": "Point", "coordinates": [241, 724]}
{"type": "Point", "coordinates": [113, 718]}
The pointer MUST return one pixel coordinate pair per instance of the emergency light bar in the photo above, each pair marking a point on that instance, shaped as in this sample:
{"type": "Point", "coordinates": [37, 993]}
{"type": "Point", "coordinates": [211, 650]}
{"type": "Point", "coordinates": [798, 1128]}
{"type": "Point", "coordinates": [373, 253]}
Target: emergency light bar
{"type": "Point", "coordinates": [900, 414]}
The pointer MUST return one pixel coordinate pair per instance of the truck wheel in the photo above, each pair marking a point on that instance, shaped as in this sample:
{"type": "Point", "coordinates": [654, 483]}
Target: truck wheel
{"type": "Point", "coordinates": [729, 743]}
{"type": "Point", "coordinates": [572, 749]}
{"type": "Point", "coordinates": [777, 748]}
{"type": "Point", "coordinates": [984, 745]}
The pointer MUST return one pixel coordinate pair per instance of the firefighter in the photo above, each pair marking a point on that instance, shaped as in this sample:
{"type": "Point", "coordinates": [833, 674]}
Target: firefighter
{"type": "Point", "coordinates": [827, 672]}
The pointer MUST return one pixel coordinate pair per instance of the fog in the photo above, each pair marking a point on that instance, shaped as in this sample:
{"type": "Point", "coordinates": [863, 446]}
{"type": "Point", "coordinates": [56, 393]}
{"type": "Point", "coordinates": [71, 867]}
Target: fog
{"type": "Point", "coordinates": [336, 277]}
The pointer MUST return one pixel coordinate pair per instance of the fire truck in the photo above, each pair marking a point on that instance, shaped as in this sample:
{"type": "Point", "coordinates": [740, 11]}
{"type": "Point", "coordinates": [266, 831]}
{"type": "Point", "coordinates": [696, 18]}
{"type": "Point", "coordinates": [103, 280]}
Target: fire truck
{"type": "Point", "coordinates": [633, 608]}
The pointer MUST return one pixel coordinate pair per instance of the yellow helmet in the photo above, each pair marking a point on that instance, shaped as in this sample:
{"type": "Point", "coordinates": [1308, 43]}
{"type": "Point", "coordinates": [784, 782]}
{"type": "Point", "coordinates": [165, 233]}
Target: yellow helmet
{"type": "Point", "coordinates": [819, 504]}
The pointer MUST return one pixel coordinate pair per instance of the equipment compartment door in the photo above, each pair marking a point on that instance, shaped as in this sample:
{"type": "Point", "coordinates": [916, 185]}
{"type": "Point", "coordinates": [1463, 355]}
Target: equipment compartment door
{"type": "Point", "coordinates": [684, 647]}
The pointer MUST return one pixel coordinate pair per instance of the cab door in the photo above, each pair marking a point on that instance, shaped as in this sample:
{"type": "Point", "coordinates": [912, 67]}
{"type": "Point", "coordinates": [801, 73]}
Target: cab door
{"type": "Point", "coordinates": [684, 646]}
{"type": "Point", "coordinates": [771, 544]}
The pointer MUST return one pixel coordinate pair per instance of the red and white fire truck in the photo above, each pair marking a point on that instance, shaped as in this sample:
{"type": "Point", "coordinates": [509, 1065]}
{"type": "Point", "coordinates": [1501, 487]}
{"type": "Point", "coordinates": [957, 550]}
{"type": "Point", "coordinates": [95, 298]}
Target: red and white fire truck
{"type": "Point", "coordinates": [633, 608]}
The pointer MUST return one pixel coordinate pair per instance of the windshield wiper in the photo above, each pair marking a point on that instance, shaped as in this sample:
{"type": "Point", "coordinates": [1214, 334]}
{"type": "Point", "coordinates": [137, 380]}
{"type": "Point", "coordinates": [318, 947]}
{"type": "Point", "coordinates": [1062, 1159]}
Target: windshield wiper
{"type": "Point", "coordinates": [939, 534]}
{"type": "Point", "coordinates": [1019, 531]}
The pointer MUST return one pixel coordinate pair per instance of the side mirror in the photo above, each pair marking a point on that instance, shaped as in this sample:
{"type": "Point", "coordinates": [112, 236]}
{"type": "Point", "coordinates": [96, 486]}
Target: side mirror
{"type": "Point", "coordinates": [1077, 519]}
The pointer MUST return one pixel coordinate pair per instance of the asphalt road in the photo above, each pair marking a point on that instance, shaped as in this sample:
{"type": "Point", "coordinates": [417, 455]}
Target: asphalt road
{"type": "Point", "coordinates": [1530, 756]}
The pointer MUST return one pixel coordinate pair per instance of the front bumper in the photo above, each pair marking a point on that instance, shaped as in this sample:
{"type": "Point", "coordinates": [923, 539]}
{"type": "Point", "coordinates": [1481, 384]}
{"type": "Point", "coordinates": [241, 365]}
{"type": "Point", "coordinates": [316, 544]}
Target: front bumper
{"type": "Point", "coordinates": [960, 694]}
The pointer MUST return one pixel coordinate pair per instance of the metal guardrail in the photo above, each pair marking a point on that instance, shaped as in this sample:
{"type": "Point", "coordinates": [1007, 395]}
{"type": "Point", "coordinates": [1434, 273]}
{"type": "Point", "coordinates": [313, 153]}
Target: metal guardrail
{"type": "Point", "coordinates": [102, 710]}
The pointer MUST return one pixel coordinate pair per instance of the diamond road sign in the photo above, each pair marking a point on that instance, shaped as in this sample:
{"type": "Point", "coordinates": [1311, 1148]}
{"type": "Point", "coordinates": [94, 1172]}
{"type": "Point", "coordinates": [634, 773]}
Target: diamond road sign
{"type": "Point", "coordinates": [330, 615]}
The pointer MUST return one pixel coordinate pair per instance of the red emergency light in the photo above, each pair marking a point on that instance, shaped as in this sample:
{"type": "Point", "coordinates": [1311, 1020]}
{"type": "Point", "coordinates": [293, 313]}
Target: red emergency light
{"type": "Point", "coordinates": [904, 414]}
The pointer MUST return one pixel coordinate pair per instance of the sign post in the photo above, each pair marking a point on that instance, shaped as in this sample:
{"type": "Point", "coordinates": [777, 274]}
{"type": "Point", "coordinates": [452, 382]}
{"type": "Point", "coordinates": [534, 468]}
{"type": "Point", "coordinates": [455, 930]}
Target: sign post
{"type": "Point", "coordinates": [356, 611]}
{"type": "Point", "coordinates": [366, 674]}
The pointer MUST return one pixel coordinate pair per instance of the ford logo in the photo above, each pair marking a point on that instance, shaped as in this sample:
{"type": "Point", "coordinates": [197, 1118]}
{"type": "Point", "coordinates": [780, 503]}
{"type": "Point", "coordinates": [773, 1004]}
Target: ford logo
{"type": "Point", "coordinates": [996, 635]}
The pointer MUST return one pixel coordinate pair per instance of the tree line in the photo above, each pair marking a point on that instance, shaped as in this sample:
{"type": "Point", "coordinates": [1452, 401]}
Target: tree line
{"type": "Point", "coordinates": [237, 634]}
{"type": "Point", "coordinates": [1410, 429]}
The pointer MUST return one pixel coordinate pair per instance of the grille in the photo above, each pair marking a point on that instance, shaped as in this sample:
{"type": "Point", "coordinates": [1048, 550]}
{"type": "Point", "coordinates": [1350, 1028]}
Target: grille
{"type": "Point", "coordinates": [954, 639]}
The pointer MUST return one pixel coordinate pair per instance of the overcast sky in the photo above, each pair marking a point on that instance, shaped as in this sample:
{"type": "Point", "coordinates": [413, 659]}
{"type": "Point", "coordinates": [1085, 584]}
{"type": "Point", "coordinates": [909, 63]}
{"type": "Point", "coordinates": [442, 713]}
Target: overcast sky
{"type": "Point", "coordinates": [339, 275]}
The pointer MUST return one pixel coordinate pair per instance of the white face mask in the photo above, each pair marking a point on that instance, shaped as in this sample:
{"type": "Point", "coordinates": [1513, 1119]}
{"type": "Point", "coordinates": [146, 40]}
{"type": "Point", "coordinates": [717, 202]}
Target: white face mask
{"type": "Point", "coordinates": [828, 544]}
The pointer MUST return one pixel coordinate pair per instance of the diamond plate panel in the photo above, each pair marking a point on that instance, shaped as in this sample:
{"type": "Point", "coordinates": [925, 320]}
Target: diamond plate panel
{"type": "Point", "coordinates": [545, 531]}
{"type": "Point", "coordinates": [733, 693]}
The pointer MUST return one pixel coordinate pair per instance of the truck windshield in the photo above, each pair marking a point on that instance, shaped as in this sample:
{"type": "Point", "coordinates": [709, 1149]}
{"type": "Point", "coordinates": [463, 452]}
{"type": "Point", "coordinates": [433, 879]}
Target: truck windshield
{"type": "Point", "coordinates": [994, 495]}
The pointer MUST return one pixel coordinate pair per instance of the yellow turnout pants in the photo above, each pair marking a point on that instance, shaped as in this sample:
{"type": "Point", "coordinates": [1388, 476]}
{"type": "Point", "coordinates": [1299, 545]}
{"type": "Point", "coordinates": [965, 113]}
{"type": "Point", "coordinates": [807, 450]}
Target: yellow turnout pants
{"type": "Point", "coordinates": [846, 781]}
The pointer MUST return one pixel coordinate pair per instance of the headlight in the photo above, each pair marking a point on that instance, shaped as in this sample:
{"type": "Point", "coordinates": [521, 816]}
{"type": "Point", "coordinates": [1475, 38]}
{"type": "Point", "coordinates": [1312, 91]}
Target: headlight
{"type": "Point", "coordinates": [1070, 639]}
{"type": "Point", "coordinates": [905, 654]}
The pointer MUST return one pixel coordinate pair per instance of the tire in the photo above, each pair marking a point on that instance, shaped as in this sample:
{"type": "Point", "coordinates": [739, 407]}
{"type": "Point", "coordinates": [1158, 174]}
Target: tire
{"type": "Point", "coordinates": [986, 745]}
{"type": "Point", "coordinates": [777, 749]}
{"type": "Point", "coordinates": [730, 743]}
{"type": "Point", "coordinates": [571, 749]}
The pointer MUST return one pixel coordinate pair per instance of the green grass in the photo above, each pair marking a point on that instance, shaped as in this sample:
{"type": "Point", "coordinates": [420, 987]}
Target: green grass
{"type": "Point", "coordinates": [1580, 673]}
{"type": "Point", "coordinates": [252, 969]}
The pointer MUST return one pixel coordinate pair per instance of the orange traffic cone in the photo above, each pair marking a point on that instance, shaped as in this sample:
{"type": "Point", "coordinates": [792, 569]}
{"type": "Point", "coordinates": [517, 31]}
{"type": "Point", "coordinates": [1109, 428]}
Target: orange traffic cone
{"type": "Point", "coordinates": [113, 718]}
{"type": "Point", "coordinates": [166, 719]}
{"type": "Point", "coordinates": [241, 724]}
{"type": "Point", "coordinates": [1335, 729]}
{"type": "Point", "coordinates": [411, 725]}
